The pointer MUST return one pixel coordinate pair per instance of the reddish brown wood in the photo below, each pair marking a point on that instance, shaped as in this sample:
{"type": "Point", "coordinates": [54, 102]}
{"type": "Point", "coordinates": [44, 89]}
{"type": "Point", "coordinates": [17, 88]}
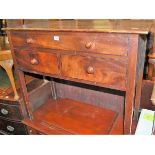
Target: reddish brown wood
{"type": "Point", "coordinates": [32, 131]}
{"type": "Point", "coordinates": [11, 127]}
{"type": "Point", "coordinates": [151, 67]}
{"type": "Point", "coordinates": [147, 88]}
{"type": "Point", "coordinates": [118, 127]}
{"type": "Point", "coordinates": [100, 43]}
{"type": "Point", "coordinates": [95, 70]}
{"type": "Point", "coordinates": [39, 61]}
{"type": "Point", "coordinates": [97, 25]}
{"type": "Point", "coordinates": [131, 83]}
{"type": "Point", "coordinates": [17, 39]}
{"type": "Point", "coordinates": [138, 95]}
{"type": "Point", "coordinates": [72, 117]}
{"type": "Point", "coordinates": [111, 72]}
{"type": "Point", "coordinates": [150, 71]}
{"type": "Point", "coordinates": [97, 96]}
{"type": "Point", "coordinates": [140, 70]}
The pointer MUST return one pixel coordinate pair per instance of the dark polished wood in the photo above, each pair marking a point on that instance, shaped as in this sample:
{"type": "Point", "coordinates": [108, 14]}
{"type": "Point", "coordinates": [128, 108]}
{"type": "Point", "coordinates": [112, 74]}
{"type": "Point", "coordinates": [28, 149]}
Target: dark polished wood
{"type": "Point", "coordinates": [95, 70]}
{"type": "Point", "coordinates": [13, 128]}
{"type": "Point", "coordinates": [37, 61]}
{"type": "Point", "coordinates": [94, 42]}
{"type": "Point", "coordinates": [97, 52]}
{"type": "Point", "coordinates": [10, 111]}
{"type": "Point", "coordinates": [64, 116]}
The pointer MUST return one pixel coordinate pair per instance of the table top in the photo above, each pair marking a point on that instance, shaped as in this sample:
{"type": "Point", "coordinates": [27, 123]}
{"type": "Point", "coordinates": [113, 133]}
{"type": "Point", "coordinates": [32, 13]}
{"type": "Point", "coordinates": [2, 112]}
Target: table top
{"type": "Point", "coordinates": [97, 25]}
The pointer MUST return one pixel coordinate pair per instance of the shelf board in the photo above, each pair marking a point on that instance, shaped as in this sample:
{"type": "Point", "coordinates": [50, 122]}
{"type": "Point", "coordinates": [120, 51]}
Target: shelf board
{"type": "Point", "coordinates": [66, 116]}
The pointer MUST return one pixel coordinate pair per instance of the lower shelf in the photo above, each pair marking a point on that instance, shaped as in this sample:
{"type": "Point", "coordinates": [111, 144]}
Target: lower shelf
{"type": "Point", "coordinates": [118, 127]}
{"type": "Point", "coordinates": [65, 116]}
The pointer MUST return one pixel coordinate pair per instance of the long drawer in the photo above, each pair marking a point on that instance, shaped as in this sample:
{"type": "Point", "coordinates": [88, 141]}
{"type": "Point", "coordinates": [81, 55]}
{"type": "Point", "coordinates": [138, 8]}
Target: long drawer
{"type": "Point", "coordinates": [13, 128]}
{"type": "Point", "coordinates": [110, 72]}
{"type": "Point", "coordinates": [39, 61]}
{"type": "Point", "coordinates": [115, 44]}
{"type": "Point", "coordinates": [10, 111]}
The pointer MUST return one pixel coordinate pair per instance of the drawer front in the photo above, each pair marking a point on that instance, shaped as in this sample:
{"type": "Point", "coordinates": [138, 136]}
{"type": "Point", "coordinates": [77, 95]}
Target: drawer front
{"type": "Point", "coordinates": [39, 61]}
{"type": "Point", "coordinates": [18, 39]}
{"type": "Point", "coordinates": [12, 128]}
{"type": "Point", "coordinates": [109, 72]}
{"type": "Point", "coordinates": [115, 44]}
{"type": "Point", "coordinates": [10, 111]}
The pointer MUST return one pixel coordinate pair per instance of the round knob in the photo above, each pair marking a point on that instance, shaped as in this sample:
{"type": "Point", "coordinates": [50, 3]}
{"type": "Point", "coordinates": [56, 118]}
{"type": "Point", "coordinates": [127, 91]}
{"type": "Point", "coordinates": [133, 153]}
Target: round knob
{"type": "Point", "coordinates": [90, 70]}
{"type": "Point", "coordinates": [10, 128]}
{"type": "Point", "coordinates": [4, 111]}
{"type": "Point", "coordinates": [88, 45]}
{"type": "Point", "coordinates": [34, 61]}
{"type": "Point", "coordinates": [30, 41]}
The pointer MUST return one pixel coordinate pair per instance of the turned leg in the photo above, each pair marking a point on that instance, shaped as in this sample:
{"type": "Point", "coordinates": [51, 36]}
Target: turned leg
{"type": "Point", "coordinates": [7, 65]}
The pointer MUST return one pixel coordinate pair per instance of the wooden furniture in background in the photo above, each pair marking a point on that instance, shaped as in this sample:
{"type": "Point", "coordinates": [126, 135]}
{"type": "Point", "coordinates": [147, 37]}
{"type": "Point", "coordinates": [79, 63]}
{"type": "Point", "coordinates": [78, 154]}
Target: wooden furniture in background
{"type": "Point", "coordinates": [7, 63]}
{"type": "Point", "coordinates": [151, 55]}
{"type": "Point", "coordinates": [11, 113]}
{"type": "Point", "coordinates": [105, 53]}
{"type": "Point", "coordinates": [147, 89]}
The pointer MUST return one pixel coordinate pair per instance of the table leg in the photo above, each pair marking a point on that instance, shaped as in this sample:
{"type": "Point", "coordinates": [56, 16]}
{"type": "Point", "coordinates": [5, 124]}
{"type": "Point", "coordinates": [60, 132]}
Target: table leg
{"type": "Point", "coordinates": [8, 68]}
{"type": "Point", "coordinates": [138, 95]}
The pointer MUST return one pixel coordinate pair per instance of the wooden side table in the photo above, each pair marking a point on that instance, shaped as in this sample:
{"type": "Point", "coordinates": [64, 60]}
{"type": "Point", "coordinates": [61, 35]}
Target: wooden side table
{"type": "Point", "coordinates": [6, 62]}
{"type": "Point", "coordinates": [93, 52]}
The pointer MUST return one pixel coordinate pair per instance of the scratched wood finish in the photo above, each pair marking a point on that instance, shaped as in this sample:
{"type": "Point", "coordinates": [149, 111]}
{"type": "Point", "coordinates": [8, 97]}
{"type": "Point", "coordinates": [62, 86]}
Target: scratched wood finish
{"type": "Point", "coordinates": [72, 117]}
{"type": "Point", "coordinates": [93, 42]}
{"type": "Point", "coordinates": [95, 70]}
{"type": "Point", "coordinates": [37, 61]}
{"type": "Point", "coordinates": [130, 33]}
{"type": "Point", "coordinates": [97, 25]}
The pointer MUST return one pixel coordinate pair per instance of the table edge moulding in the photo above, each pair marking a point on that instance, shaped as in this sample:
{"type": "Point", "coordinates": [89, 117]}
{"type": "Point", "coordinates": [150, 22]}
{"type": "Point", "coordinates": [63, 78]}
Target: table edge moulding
{"type": "Point", "coordinates": [106, 53]}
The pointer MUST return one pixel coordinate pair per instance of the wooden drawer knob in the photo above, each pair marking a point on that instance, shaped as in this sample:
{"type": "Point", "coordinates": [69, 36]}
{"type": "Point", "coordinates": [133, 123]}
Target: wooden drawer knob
{"type": "Point", "coordinates": [34, 61]}
{"type": "Point", "coordinates": [29, 40]}
{"type": "Point", "coordinates": [88, 45]}
{"type": "Point", "coordinates": [90, 70]}
{"type": "Point", "coordinates": [4, 111]}
{"type": "Point", "coordinates": [10, 128]}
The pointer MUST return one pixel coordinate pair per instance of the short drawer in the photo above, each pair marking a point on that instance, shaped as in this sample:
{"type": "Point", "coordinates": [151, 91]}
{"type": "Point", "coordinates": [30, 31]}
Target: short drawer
{"type": "Point", "coordinates": [39, 61]}
{"type": "Point", "coordinates": [13, 128]}
{"type": "Point", "coordinates": [10, 111]}
{"type": "Point", "coordinates": [105, 43]}
{"type": "Point", "coordinates": [109, 72]}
